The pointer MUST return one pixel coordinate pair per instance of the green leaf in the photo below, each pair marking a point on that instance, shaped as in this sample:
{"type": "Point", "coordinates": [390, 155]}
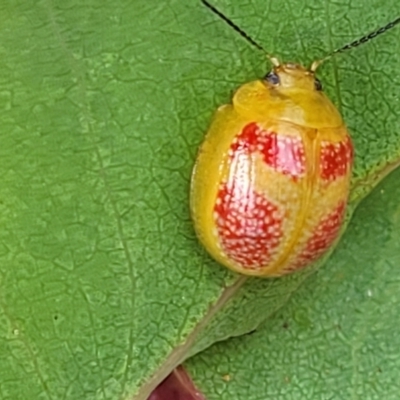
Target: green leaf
{"type": "Point", "coordinates": [104, 287]}
{"type": "Point", "coordinates": [338, 336]}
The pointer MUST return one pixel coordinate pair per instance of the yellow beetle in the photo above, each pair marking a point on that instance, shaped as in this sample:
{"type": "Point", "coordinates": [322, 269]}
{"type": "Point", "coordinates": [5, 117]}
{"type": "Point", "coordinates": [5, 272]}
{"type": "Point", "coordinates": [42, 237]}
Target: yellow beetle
{"type": "Point", "coordinates": [271, 180]}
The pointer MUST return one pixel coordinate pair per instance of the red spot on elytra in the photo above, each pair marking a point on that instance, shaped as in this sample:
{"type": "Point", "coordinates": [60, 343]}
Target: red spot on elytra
{"type": "Point", "coordinates": [322, 239]}
{"type": "Point", "coordinates": [284, 153]}
{"type": "Point", "coordinates": [249, 226]}
{"type": "Point", "coordinates": [336, 159]}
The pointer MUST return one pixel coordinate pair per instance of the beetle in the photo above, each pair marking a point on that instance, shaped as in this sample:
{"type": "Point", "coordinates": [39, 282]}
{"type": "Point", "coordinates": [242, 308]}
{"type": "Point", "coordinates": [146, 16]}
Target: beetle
{"type": "Point", "coordinates": [270, 184]}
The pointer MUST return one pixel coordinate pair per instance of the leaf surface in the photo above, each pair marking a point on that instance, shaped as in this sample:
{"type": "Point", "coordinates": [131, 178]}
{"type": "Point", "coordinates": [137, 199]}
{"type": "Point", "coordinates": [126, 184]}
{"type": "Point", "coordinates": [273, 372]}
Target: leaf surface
{"type": "Point", "coordinates": [103, 286]}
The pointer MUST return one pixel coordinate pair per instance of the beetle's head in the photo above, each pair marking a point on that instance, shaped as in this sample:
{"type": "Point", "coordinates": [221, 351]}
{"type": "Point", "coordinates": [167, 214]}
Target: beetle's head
{"type": "Point", "coordinates": [292, 76]}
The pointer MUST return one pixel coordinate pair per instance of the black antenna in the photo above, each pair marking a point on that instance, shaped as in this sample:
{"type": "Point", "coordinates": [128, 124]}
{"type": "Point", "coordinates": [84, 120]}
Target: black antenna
{"type": "Point", "coordinates": [356, 43]}
{"type": "Point", "coordinates": [273, 60]}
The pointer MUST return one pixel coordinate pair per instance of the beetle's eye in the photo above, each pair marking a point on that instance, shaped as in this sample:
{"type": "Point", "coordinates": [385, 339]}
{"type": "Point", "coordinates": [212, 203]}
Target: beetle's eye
{"type": "Point", "coordinates": [318, 84]}
{"type": "Point", "coordinates": [272, 78]}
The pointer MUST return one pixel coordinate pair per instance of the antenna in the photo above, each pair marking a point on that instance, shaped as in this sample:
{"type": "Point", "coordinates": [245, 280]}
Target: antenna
{"type": "Point", "coordinates": [273, 59]}
{"type": "Point", "coordinates": [356, 43]}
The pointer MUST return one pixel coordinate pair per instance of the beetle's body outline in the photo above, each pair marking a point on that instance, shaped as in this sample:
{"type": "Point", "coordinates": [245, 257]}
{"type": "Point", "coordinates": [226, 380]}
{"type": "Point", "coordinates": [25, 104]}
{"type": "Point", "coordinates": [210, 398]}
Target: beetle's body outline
{"type": "Point", "coordinates": [263, 156]}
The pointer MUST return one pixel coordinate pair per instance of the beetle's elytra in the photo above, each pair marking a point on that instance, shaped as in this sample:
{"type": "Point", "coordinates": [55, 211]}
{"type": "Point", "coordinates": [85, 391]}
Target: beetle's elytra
{"type": "Point", "coordinates": [271, 180]}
